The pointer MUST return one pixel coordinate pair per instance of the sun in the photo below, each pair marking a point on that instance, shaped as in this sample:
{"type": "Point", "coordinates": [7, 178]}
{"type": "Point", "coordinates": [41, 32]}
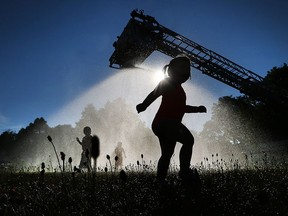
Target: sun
{"type": "Point", "coordinates": [158, 76]}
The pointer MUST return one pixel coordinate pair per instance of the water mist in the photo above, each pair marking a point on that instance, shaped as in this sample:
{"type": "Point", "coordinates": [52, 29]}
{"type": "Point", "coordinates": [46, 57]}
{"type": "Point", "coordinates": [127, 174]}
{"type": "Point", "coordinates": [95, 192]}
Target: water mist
{"type": "Point", "coordinates": [132, 85]}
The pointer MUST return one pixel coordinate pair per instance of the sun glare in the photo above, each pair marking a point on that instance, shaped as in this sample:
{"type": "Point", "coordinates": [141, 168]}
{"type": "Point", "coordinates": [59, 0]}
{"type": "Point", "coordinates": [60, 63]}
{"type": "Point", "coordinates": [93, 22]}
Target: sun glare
{"type": "Point", "coordinates": [158, 76]}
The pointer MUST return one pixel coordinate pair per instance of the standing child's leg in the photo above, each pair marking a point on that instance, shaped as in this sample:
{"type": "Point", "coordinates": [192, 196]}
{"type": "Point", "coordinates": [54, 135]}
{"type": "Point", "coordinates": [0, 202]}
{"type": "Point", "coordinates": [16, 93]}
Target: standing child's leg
{"type": "Point", "coordinates": [185, 155]}
{"type": "Point", "coordinates": [167, 149]}
{"type": "Point", "coordinates": [166, 132]}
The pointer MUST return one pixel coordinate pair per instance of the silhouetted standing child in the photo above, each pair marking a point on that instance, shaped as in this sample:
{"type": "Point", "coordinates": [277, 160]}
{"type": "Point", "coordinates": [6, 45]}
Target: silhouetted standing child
{"type": "Point", "coordinates": [167, 124]}
{"type": "Point", "coordinates": [119, 153]}
{"type": "Point", "coordinates": [86, 148]}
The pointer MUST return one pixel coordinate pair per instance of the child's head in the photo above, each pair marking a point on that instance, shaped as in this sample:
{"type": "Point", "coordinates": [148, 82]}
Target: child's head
{"type": "Point", "coordinates": [87, 130]}
{"type": "Point", "coordinates": [179, 68]}
{"type": "Point", "coordinates": [119, 144]}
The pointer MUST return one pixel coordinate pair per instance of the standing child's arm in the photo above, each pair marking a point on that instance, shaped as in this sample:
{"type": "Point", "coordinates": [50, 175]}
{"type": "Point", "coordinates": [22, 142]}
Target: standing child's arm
{"type": "Point", "coordinates": [78, 140]}
{"type": "Point", "coordinates": [148, 100]}
{"type": "Point", "coordinates": [195, 109]}
{"type": "Point", "coordinates": [123, 152]}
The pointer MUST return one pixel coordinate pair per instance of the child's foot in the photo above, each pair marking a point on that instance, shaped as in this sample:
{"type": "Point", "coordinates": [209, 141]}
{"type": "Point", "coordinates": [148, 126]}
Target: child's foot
{"type": "Point", "coordinates": [165, 189]}
{"type": "Point", "coordinates": [191, 182]}
{"type": "Point", "coordinates": [189, 175]}
{"type": "Point", "coordinates": [162, 185]}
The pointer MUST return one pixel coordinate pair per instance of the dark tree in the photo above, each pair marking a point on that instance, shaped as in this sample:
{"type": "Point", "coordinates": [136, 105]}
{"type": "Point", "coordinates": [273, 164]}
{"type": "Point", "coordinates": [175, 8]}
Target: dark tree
{"type": "Point", "coordinates": [7, 143]}
{"type": "Point", "coordinates": [275, 117]}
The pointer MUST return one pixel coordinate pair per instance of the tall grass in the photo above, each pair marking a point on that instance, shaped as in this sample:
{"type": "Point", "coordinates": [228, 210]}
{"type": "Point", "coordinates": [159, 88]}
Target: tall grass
{"type": "Point", "coordinates": [227, 188]}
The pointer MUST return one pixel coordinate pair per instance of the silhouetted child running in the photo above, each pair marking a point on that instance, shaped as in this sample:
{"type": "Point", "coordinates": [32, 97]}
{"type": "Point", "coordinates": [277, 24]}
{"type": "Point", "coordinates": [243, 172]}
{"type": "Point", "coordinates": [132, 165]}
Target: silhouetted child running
{"type": "Point", "coordinates": [167, 124]}
{"type": "Point", "coordinates": [86, 148]}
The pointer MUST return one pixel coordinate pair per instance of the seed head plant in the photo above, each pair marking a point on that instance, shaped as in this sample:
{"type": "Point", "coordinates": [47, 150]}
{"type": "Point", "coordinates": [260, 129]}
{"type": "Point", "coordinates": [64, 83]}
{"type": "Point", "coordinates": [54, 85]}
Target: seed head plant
{"type": "Point", "coordinates": [70, 163]}
{"type": "Point", "coordinates": [42, 165]}
{"type": "Point", "coordinates": [42, 170]}
{"type": "Point", "coordinates": [142, 156]}
{"type": "Point", "coordinates": [62, 155]}
{"type": "Point", "coordinates": [116, 159]}
{"type": "Point", "coordinates": [108, 158]}
{"type": "Point", "coordinates": [50, 140]}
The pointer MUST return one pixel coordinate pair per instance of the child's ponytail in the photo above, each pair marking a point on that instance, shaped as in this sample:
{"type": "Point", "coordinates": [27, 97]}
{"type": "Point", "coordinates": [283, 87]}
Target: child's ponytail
{"type": "Point", "coordinates": [165, 70]}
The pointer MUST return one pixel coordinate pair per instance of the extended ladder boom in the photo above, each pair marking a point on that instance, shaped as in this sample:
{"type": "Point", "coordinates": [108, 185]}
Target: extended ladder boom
{"type": "Point", "coordinates": [143, 35]}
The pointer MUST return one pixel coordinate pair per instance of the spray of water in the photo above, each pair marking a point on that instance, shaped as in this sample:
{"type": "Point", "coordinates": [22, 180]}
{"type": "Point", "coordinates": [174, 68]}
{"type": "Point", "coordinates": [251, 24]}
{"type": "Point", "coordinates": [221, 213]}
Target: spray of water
{"type": "Point", "coordinates": [133, 85]}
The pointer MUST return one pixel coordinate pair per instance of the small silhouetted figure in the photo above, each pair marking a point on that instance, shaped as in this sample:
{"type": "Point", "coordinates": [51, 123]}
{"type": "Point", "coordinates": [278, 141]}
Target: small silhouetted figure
{"type": "Point", "coordinates": [167, 124]}
{"type": "Point", "coordinates": [86, 146]}
{"type": "Point", "coordinates": [95, 150]}
{"type": "Point", "coordinates": [119, 153]}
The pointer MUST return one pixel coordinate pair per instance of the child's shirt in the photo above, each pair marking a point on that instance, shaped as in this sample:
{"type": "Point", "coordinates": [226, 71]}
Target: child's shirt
{"type": "Point", "coordinates": [86, 143]}
{"type": "Point", "coordinates": [172, 106]}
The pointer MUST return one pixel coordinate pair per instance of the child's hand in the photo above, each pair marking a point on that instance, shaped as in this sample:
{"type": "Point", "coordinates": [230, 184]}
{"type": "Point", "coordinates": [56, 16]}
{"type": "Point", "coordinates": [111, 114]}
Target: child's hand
{"type": "Point", "coordinates": [77, 139]}
{"type": "Point", "coordinates": [140, 107]}
{"type": "Point", "coordinates": [202, 109]}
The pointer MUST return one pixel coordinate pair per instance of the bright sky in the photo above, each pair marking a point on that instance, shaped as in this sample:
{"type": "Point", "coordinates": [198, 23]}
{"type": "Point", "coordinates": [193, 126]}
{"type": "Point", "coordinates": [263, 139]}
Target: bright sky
{"type": "Point", "coordinates": [51, 52]}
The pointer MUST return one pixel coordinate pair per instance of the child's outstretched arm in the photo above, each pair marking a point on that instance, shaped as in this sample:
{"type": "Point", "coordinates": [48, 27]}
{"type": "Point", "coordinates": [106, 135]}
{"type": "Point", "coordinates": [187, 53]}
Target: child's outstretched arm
{"type": "Point", "coordinates": [195, 109]}
{"type": "Point", "coordinates": [148, 100]}
{"type": "Point", "coordinates": [160, 89]}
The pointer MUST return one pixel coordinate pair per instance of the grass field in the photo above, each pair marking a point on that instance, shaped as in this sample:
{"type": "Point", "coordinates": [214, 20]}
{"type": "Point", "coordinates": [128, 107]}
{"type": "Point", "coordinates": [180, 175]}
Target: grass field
{"type": "Point", "coordinates": [232, 192]}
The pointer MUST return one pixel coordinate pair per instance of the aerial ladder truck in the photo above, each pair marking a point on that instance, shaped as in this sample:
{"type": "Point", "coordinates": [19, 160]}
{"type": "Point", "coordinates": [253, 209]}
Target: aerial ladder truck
{"type": "Point", "coordinates": [144, 35]}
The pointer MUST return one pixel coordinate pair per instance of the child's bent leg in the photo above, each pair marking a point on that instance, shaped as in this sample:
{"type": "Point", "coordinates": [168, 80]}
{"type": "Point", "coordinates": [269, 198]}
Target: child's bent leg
{"type": "Point", "coordinates": [187, 140]}
{"type": "Point", "coordinates": [167, 132]}
{"type": "Point", "coordinates": [167, 150]}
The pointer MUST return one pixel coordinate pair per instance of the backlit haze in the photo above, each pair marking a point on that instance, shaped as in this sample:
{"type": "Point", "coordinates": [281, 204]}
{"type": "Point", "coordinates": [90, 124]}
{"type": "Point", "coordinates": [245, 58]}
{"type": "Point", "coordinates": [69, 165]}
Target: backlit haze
{"type": "Point", "coordinates": [133, 85]}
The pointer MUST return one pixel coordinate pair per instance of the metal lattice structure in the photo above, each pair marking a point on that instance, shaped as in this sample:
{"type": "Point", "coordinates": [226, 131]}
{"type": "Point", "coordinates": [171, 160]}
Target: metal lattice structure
{"type": "Point", "coordinates": [144, 35]}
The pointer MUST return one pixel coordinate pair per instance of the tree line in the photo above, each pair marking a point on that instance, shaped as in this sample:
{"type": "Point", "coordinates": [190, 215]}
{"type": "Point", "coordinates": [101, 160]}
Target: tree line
{"type": "Point", "coordinates": [115, 122]}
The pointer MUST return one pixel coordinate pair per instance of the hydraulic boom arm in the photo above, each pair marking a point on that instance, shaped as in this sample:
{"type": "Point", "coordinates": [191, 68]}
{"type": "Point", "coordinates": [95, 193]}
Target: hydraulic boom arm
{"type": "Point", "coordinates": [143, 35]}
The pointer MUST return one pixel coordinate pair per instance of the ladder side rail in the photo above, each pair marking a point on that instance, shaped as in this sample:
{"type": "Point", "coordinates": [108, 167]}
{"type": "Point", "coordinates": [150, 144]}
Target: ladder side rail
{"type": "Point", "coordinates": [212, 55]}
{"type": "Point", "coordinates": [253, 88]}
{"type": "Point", "coordinates": [245, 86]}
{"type": "Point", "coordinates": [220, 58]}
{"type": "Point", "coordinates": [236, 66]}
{"type": "Point", "coordinates": [208, 57]}
{"type": "Point", "coordinates": [231, 79]}
{"type": "Point", "coordinates": [199, 59]}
